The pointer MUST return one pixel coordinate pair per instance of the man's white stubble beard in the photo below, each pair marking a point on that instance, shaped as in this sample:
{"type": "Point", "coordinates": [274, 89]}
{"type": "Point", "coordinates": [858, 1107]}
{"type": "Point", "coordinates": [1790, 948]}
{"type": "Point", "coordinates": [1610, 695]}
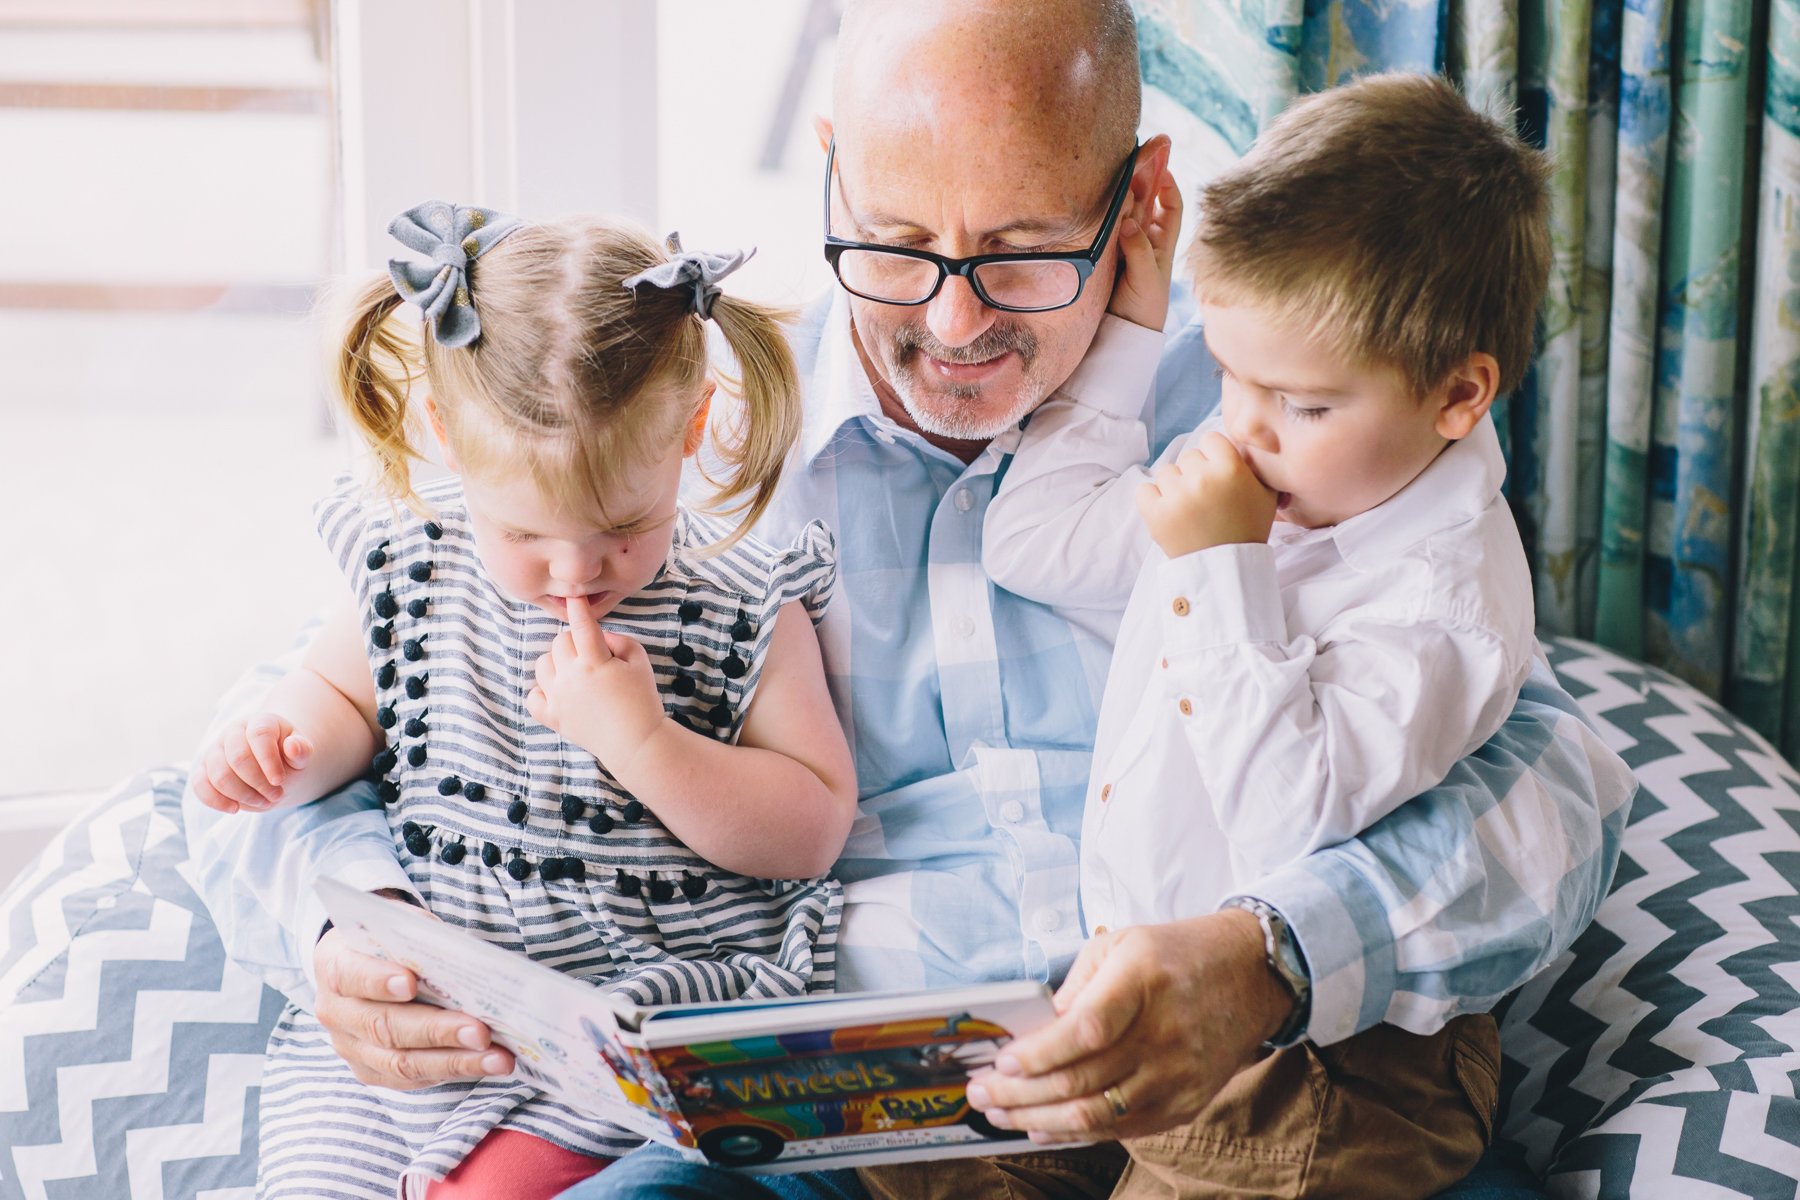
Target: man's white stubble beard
{"type": "Point", "coordinates": [958, 412]}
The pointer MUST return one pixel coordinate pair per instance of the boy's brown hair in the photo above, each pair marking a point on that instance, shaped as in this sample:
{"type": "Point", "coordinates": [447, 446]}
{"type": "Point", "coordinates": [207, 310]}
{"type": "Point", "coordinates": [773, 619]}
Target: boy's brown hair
{"type": "Point", "coordinates": [1392, 218]}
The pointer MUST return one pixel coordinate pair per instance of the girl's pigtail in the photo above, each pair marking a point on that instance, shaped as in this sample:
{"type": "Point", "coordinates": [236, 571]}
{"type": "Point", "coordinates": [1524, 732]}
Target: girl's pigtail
{"type": "Point", "coordinates": [768, 420]}
{"type": "Point", "coordinates": [373, 370]}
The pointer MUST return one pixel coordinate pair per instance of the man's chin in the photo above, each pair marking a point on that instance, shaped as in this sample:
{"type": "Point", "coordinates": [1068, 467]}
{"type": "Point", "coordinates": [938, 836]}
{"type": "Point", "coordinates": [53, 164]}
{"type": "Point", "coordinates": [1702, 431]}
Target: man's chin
{"type": "Point", "coordinates": [968, 414]}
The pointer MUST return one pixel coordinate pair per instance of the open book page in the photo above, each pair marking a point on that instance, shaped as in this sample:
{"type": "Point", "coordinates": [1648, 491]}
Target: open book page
{"type": "Point", "coordinates": [764, 1085]}
{"type": "Point", "coordinates": [563, 1033]}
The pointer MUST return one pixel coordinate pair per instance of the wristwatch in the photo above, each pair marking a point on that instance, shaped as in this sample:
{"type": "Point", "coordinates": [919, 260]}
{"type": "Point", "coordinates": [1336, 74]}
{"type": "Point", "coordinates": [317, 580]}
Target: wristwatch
{"type": "Point", "coordinates": [1289, 966]}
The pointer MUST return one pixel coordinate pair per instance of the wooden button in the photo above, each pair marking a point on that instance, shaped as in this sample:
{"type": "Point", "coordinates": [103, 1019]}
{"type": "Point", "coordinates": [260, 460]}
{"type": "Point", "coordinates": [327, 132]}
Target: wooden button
{"type": "Point", "coordinates": [1099, 929]}
{"type": "Point", "coordinates": [1187, 710]}
{"type": "Point", "coordinates": [1181, 606]}
{"type": "Point", "coordinates": [1105, 793]}
{"type": "Point", "coordinates": [1165, 664]}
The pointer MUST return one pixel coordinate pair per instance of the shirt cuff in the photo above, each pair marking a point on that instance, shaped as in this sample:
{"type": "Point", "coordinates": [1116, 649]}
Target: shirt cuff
{"type": "Point", "coordinates": [365, 875]}
{"type": "Point", "coordinates": [1118, 373]}
{"type": "Point", "coordinates": [1223, 596]}
{"type": "Point", "coordinates": [1343, 931]}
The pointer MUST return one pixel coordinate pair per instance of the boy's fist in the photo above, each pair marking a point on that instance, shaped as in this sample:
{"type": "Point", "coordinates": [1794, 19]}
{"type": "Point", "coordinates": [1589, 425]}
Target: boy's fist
{"type": "Point", "coordinates": [1208, 497]}
{"type": "Point", "coordinates": [251, 763]}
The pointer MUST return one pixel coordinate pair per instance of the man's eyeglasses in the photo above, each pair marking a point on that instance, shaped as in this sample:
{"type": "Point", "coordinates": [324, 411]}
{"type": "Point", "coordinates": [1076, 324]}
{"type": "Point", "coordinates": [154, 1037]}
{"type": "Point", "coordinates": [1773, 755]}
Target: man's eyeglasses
{"type": "Point", "coordinates": [1010, 282]}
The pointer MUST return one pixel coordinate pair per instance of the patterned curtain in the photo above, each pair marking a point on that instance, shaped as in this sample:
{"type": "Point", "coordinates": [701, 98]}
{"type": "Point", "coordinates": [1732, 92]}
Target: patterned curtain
{"type": "Point", "coordinates": [1654, 448]}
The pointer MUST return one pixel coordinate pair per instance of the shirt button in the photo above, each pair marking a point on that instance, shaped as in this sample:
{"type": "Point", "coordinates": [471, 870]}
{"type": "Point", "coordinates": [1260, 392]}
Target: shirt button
{"type": "Point", "coordinates": [965, 627]}
{"type": "Point", "coordinates": [1047, 920]}
{"type": "Point", "coordinates": [1181, 606]}
{"type": "Point", "coordinates": [1187, 710]}
{"type": "Point", "coordinates": [1165, 664]}
{"type": "Point", "coordinates": [1105, 793]}
{"type": "Point", "coordinates": [965, 500]}
{"type": "Point", "coordinates": [1099, 929]}
{"type": "Point", "coordinates": [1012, 810]}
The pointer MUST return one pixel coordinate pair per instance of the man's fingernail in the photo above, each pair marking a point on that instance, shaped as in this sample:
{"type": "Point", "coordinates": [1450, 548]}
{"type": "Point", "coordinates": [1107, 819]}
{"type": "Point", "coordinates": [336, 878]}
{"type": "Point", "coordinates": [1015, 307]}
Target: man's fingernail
{"type": "Point", "coordinates": [1006, 1064]}
{"type": "Point", "coordinates": [397, 987]}
{"type": "Point", "coordinates": [978, 1096]}
{"type": "Point", "coordinates": [470, 1036]}
{"type": "Point", "coordinates": [493, 1064]}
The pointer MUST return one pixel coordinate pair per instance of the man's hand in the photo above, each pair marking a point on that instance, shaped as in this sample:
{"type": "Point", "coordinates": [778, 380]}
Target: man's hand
{"type": "Point", "coordinates": [1147, 250]}
{"type": "Point", "coordinates": [598, 690]}
{"type": "Point", "coordinates": [389, 1039]}
{"type": "Point", "coordinates": [1165, 1013]}
{"type": "Point", "coordinates": [1208, 497]}
{"type": "Point", "coordinates": [251, 763]}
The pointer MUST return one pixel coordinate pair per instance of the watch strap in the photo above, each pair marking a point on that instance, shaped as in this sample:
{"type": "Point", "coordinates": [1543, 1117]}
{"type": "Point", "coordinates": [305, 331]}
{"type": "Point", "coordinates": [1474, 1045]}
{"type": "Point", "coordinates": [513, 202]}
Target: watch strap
{"type": "Point", "coordinates": [1288, 964]}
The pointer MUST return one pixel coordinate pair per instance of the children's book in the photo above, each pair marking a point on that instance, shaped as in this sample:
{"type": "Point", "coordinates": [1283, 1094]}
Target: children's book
{"type": "Point", "coordinates": [765, 1086]}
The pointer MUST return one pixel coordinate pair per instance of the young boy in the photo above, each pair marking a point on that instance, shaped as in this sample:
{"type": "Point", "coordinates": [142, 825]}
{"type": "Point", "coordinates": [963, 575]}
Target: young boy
{"type": "Point", "coordinates": [1331, 607]}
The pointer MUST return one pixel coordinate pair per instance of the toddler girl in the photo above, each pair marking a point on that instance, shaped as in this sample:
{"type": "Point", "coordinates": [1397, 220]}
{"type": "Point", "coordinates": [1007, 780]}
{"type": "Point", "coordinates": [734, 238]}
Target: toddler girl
{"type": "Point", "coordinates": [598, 720]}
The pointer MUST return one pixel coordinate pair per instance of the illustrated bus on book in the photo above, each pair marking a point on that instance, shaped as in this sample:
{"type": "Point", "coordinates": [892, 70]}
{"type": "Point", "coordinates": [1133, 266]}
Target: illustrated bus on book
{"type": "Point", "coordinates": [745, 1099]}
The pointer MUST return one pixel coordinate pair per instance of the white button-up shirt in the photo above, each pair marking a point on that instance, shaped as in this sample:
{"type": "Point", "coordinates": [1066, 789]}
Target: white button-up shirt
{"type": "Point", "coordinates": [1264, 701]}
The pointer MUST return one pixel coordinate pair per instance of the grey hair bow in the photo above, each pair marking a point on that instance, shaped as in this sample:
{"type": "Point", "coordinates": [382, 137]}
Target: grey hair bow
{"type": "Point", "coordinates": [454, 237]}
{"type": "Point", "coordinates": [694, 269]}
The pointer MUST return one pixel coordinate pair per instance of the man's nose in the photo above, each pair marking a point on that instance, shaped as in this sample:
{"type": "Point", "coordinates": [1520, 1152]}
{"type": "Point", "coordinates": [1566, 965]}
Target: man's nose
{"type": "Point", "coordinates": [956, 316]}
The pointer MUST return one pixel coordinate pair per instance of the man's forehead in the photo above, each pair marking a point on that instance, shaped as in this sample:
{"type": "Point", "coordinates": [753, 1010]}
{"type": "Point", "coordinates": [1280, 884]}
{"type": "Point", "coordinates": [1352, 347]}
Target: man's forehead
{"type": "Point", "coordinates": [900, 182]}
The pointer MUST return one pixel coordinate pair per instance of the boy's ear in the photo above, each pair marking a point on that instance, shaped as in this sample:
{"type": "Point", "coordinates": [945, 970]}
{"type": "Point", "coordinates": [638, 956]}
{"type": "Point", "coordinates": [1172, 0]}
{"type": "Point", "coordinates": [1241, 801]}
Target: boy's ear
{"type": "Point", "coordinates": [437, 427]}
{"type": "Point", "coordinates": [696, 430]}
{"type": "Point", "coordinates": [822, 127]}
{"type": "Point", "coordinates": [1467, 395]}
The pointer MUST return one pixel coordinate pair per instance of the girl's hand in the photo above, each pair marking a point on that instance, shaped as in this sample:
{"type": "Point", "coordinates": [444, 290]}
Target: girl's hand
{"type": "Point", "coordinates": [251, 764]}
{"type": "Point", "coordinates": [1147, 248]}
{"type": "Point", "coordinates": [597, 689]}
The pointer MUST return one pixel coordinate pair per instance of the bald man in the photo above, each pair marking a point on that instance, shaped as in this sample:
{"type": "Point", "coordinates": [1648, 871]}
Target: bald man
{"type": "Point", "coordinates": [967, 130]}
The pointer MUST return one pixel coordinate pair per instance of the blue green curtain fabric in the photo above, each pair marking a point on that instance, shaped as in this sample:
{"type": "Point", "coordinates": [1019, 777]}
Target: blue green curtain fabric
{"type": "Point", "coordinates": [1654, 448]}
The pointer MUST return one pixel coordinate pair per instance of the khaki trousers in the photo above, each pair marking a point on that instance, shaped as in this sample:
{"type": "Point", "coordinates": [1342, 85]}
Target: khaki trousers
{"type": "Point", "coordinates": [1385, 1115]}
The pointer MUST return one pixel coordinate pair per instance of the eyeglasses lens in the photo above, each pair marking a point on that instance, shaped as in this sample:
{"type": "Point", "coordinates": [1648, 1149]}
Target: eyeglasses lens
{"type": "Point", "coordinates": [890, 277]}
{"type": "Point", "coordinates": [1045, 283]}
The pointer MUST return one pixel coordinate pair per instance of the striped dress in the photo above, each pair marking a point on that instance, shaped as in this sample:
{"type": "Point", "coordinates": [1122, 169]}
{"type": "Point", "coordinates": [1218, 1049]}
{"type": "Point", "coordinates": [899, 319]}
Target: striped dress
{"type": "Point", "coordinates": [513, 833]}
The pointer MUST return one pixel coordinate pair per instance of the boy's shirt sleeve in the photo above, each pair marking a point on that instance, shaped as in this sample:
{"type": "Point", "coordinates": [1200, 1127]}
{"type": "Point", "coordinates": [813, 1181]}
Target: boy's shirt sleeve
{"type": "Point", "coordinates": [1304, 741]}
{"type": "Point", "coordinates": [1063, 527]}
{"type": "Point", "coordinates": [1469, 889]}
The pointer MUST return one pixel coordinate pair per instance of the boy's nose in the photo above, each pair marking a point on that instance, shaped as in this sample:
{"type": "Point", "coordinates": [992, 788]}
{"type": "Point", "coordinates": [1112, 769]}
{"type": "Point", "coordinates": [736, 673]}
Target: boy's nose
{"type": "Point", "coordinates": [1246, 426]}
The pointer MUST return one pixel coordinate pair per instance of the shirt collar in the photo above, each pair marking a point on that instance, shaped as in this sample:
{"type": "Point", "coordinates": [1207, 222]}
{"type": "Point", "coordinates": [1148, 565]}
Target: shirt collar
{"type": "Point", "coordinates": [1457, 487]}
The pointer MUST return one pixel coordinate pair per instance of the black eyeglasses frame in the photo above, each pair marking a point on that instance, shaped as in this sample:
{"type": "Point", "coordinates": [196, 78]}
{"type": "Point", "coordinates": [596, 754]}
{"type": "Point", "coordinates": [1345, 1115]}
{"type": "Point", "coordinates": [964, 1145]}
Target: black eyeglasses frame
{"type": "Point", "coordinates": [1084, 261]}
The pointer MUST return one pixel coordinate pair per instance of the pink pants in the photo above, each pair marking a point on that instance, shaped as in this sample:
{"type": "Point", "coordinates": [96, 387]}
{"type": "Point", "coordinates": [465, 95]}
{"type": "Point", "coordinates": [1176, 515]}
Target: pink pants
{"type": "Point", "coordinates": [508, 1165]}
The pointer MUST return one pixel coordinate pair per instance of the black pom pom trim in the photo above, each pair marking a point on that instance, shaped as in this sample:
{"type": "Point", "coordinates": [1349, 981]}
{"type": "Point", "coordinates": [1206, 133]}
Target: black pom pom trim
{"type": "Point", "coordinates": [419, 572]}
{"type": "Point", "coordinates": [519, 869]}
{"type": "Point", "coordinates": [415, 755]}
{"type": "Point", "coordinates": [453, 853]}
{"type": "Point", "coordinates": [384, 678]}
{"type": "Point", "coordinates": [575, 869]}
{"type": "Point", "coordinates": [382, 636]}
{"type": "Point", "coordinates": [490, 854]}
{"type": "Point", "coordinates": [689, 611]}
{"type": "Point", "coordinates": [693, 886]}
{"type": "Point", "coordinates": [683, 654]}
{"type": "Point", "coordinates": [415, 686]}
{"type": "Point", "coordinates": [386, 761]}
{"type": "Point", "coordinates": [602, 823]}
{"type": "Point", "coordinates": [413, 649]}
{"type": "Point", "coordinates": [386, 606]}
{"type": "Point", "coordinates": [386, 717]}
{"type": "Point", "coordinates": [476, 792]}
{"type": "Point", "coordinates": [572, 808]}
{"type": "Point", "coordinates": [683, 686]}
{"type": "Point", "coordinates": [517, 811]}
{"type": "Point", "coordinates": [628, 885]}
{"type": "Point", "coordinates": [416, 727]}
{"type": "Point", "coordinates": [433, 530]}
{"type": "Point", "coordinates": [733, 666]}
{"type": "Point", "coordinates": [551, 869]}
{"type": "Point", "coordinates": [632, 812]}
{"type": "Point", "coordinates": [376, 558]}
{"type": "Point", "coordinates": [388, 791]}
{"type": "Point", "coordinates": [661, 890]}
{"type": "Point", "coordinates": [719, 714]}
{"type": "Point", "coordinates": [449, 785]}
{"type": "Point", "coordinates": [417, 608]}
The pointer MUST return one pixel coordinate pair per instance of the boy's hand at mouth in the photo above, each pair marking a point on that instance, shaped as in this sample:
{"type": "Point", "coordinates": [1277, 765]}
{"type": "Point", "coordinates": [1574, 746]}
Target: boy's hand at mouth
{"type": "Point", "coordinates": [598, 690]}
{"type": "Point", "coordinates": [1208, 497]}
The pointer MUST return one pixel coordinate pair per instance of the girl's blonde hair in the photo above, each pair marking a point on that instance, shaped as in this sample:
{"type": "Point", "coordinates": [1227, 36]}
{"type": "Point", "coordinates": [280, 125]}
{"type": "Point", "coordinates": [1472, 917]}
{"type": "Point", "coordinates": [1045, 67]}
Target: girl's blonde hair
{"type": "Point", "coordinates": [573, 376]}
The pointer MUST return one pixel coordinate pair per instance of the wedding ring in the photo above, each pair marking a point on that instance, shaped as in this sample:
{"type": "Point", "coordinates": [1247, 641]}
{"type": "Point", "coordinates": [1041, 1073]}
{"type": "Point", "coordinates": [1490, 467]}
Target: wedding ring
{"type": "Point", "coordinates": [1116, 1098]}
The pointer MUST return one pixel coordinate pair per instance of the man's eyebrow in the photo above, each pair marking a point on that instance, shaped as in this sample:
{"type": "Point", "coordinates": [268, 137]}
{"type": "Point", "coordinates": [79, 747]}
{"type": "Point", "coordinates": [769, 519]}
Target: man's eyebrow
{"type": "Point", "coordinates": [1050, 229]}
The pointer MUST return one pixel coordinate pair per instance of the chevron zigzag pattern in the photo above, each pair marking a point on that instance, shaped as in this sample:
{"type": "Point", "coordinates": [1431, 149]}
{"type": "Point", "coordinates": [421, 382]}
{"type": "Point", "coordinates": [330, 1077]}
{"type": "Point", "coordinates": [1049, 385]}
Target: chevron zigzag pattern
{"type": "Point", "coordinates": [131, 1048]}
{"type": "Point", "coordinates": [1657, 1057]}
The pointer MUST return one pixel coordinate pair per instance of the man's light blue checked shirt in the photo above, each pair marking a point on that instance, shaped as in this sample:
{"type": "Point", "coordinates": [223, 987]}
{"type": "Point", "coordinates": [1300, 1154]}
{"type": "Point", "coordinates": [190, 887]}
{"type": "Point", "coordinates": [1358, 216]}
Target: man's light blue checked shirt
{"type": "Point", "coordinates": [971, 714]}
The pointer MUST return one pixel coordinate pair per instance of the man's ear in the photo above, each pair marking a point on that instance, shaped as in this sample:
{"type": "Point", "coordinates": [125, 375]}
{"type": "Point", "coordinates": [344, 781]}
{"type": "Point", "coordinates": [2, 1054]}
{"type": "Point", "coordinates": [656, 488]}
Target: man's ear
{"type": "Point", "coordinates": [1466, 396]}
{"type": "Point", "coordinates": [696, 430]}
{"type": "Point", "coordinates": [437, 427]}
{"type": "Point", "coordinates": [1152, 161]}
{"type": "Point", "coordinates": [822, 126]}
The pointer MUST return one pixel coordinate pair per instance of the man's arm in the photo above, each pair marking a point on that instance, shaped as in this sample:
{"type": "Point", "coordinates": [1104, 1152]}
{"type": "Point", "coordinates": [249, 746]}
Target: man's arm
{"type": "Point", "coordinates": [1062, 527]}
{"type": "Point", "coordinates": [1442, 908]}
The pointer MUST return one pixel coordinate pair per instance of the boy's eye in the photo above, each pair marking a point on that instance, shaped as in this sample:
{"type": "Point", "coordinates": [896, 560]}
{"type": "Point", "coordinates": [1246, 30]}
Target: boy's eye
{"type": "Point", "coordinates": [1301, 414]}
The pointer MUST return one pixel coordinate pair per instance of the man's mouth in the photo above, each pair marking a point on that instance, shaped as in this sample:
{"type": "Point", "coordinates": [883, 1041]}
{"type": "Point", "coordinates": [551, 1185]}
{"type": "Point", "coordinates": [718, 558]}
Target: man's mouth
{"type": "Point", "coordinates": [966, 372]}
